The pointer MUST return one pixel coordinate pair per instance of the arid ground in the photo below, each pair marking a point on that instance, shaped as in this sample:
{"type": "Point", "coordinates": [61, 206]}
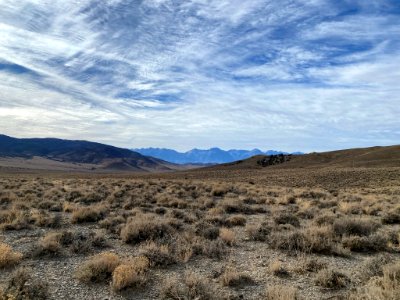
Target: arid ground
{"type": "Point", "coordinates": [316, 233]}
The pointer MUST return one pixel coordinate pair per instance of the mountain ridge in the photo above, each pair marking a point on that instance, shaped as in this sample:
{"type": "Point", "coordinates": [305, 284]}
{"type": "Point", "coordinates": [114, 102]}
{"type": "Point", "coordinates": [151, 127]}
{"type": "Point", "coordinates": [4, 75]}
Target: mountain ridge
{"type": "Point", "coordinates": [213, 155]}
{"type": "Point", "coordinates": [90, 155]}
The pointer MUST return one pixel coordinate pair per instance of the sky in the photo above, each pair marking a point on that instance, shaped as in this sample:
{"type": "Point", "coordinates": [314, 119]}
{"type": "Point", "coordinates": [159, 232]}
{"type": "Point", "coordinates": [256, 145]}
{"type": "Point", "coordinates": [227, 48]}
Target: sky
{"type": "Point", "coordinates": [292, 75]}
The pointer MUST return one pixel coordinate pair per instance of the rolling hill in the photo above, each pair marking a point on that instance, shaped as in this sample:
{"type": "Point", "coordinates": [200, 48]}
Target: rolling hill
{"type": "Point", "coordinates": [388, 156]}
{"type": "Point", "coordinates": [59, 154]}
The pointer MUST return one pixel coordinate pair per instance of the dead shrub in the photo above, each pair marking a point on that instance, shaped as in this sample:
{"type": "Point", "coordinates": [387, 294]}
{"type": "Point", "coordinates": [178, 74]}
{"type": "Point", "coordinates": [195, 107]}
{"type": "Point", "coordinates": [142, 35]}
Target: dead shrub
{"type": "Point", "coordinates": [228, 236]}
{"type": "Point", "coordinates": [49, 245]}
{"type": "Point", "coordinates": [113, 224]}
{"type": "Point", "coordinates": [214, 249]}
{"type": "Point", "coordinates": [277, 269]}
{"type": "Point", "coordinates": [88, 214]}
{"type": "Point", "coordinates": [207, 230]}
{"type": "Point", "coordinates": [329, 278]}
{"type": "Point", "coordinates": [392, 217]}
{"type": "Point", "coordinates": [372, 243]}
{"type": "Point", "coordinates": [8, 257]}
{"type": "Point", "coordinates": [310, 265]}
{"type": "Point", "coordinates": [99, 268]}
{"type": "Point", "coordinates": [231, 277]}
{"type": "Point", "coordinates": [281, 292]}
{"type": "Point", "coordinates": [236, 220]}
{"type": "Point", "coordinates": [311, 240]}
{"type": "Point", "coordinates": [359, 227]}
{"type": "Point", "coordinates": [130, 273]}
{"type": "Point", "coordinates": [158, 255]}
{"type": "Point", "coordinates": [258, 232]}
{"type": "Point", "coordinates": [374, 266]}
{"type": "Point", "coordinates": [142, 228]}
{"type": "Point", "coordinates": [22, 286]}
{"type": "Point", "coordinates": [287, 218]}
{"type": "Point", "coordinates": [381, 288]}
{"type": "Point", "coordinates": [193, 288]}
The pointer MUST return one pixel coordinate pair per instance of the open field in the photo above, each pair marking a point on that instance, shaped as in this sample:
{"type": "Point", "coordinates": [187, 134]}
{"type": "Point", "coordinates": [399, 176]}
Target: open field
{"type": "Point", "coordinates": [317, 233]}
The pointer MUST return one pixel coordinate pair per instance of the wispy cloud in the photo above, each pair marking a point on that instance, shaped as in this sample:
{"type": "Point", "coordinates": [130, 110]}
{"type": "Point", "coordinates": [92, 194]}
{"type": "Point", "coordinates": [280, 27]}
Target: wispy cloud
{"type": "Point", "coordinates": [291, 75]}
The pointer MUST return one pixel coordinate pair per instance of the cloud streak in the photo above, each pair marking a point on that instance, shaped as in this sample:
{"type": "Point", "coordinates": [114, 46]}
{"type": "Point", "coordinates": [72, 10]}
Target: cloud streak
{"type": "Point", "coordinates": [293, 75]}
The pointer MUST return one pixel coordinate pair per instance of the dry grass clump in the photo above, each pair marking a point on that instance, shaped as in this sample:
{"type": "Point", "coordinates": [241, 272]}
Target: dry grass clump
{"type": "Point", "coordinates": [113, 223]}
{"type": "Point", "coordinates": [329, 278]}
{"type": "Point", "coordinates": [258, 232]}
{"type": "Point", "coordinates": [88, 214]}
{"type": "Point", "coordinates": [99, 268]}
{"type": "Point", "coordinates": [193, 288]}
{"type": "Point", "coordinates": [373, 243]}
{"type": "Point", "coordinates": [207, 230]}
{"type": "Point", "coordinates": [310, 265]}
{"type": "Point", "coordinates": [214, 249]}
{"type": "Point", "coordinates": [22, 286]}
{"type": "Point", "coordinates": [14, 219]}
{"type": "Point", "coordinates": [158, 255]}
{"type": "Point", "coordinates": [386, 287]}
{"type": "Point", "coordinates": [130, 273]}
{"type": "Point", "coordinates": [228, 236]}
{"type": "Point", "coordinates": [233, 278]}
{"type": "Point", "coordinates": [8, 257]}
{"type": "Point", "coordinates": [236, 220]}
{"type": "Point", "coordinates": [310, 240]}
{"type": "Point", "coordinates": [49, 245]}
{"type": "Point", "coordinates": [276, 268]}
{"type": "Point", "coordinates": [392, 217]}
{"type": "Point", "coordinates": [281, 292]}
{"type": "Point", "coordinates": [374, 266]}
{"type": "Point", "coordinates": [352, 226]}
{"type": "Point", "coordinates": [287, 218]}
{"type": "Point", "coordinates": [236, 206]}
{"type": "Point", "coordinates": [144, 227]}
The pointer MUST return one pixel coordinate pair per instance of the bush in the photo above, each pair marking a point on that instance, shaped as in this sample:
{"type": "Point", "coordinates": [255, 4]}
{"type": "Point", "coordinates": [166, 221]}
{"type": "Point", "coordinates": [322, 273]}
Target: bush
{"type": "Point", "coordinates": [372, 243]}
{"type": "Point", "coordinates": [8, 257]}
{"type": "Point", "coordinates": [158, 255]}
{"type": "Point", "coordinates": [130, 273]}
{"type": "Point", "coordinates": [98, 268]}
{"type": "Point", "coordinates": [207, 230]}
{"type": "Point", "coordinates": [374, 266]}
{"type": "Point", "coordinates": [214, 249]}
{"type": "Point", "coordinates": [287, 218]}
{"type": "Point", "coordinates": [281, 292]}
{"type": "Point", "coordinates": [277, 269]}
{"type": "Point", "coordinates": [143, 228]}
{"type": "Point", "coordinates": [22, 286]}
{"type": "Point", "coordinates": [328, 278]}
{"type": "Point", "coordinates": [193, 288]}
{"type": "Point", "coordinates": [359, 227]}
{"type": "Point", "coordinates": [381, 288]}
{"type": "Point", "coordinates": [88, 214]}
{"type": "Point", "coordinates": [228, 236]}
{"type": "Point", "coordinates": [258, 232]}
{"type": "Point", "coordinates": [392, 217]}
{"type": "Point", "coordinates": [236, 220]}
{"type": "Point", "coordinates": [311, 240]}
{"type": "Point", "coordinates": [231, 277]}
{"type": "Point", "coordinates": [49, 245]}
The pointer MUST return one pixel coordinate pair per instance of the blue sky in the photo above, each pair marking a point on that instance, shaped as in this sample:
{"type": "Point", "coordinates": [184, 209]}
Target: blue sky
{"type": "Point", "coordinates": [308, 75]}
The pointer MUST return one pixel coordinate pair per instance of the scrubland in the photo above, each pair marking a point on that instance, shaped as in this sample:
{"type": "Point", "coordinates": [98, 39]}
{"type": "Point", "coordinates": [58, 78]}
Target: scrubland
{"type": "Point", "coordinates": [201, 236]}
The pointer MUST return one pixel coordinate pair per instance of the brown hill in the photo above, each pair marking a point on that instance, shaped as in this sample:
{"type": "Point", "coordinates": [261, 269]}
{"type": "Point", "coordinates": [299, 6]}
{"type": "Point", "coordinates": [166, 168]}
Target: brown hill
{"type": "Point", "coordinates": [362, 157]}
{"type": "Point", "coordinates": [66, 155]}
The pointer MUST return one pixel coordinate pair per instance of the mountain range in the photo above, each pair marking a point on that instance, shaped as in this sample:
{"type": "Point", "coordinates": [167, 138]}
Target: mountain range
{"type": "Point", "coordinates": [210, 156]}
{"type": "Point", "coordinates": [52, 153]}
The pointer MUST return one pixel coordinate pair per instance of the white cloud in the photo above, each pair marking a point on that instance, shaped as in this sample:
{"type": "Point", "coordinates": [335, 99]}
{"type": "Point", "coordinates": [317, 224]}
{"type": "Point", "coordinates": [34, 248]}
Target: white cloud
{"type": "Point", "coordinates": [165, 73]}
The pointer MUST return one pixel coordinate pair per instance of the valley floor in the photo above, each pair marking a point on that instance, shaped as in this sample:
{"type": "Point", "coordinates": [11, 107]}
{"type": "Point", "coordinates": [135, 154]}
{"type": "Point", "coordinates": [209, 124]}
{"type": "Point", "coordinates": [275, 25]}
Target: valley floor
{"type": "Point", "coordinates": [250, 234]}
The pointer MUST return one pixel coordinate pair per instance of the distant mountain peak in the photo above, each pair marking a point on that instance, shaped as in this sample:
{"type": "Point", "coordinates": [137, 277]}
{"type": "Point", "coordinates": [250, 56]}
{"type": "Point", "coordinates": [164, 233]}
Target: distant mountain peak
{"type": "Point", "coordinates": [212, 155]}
